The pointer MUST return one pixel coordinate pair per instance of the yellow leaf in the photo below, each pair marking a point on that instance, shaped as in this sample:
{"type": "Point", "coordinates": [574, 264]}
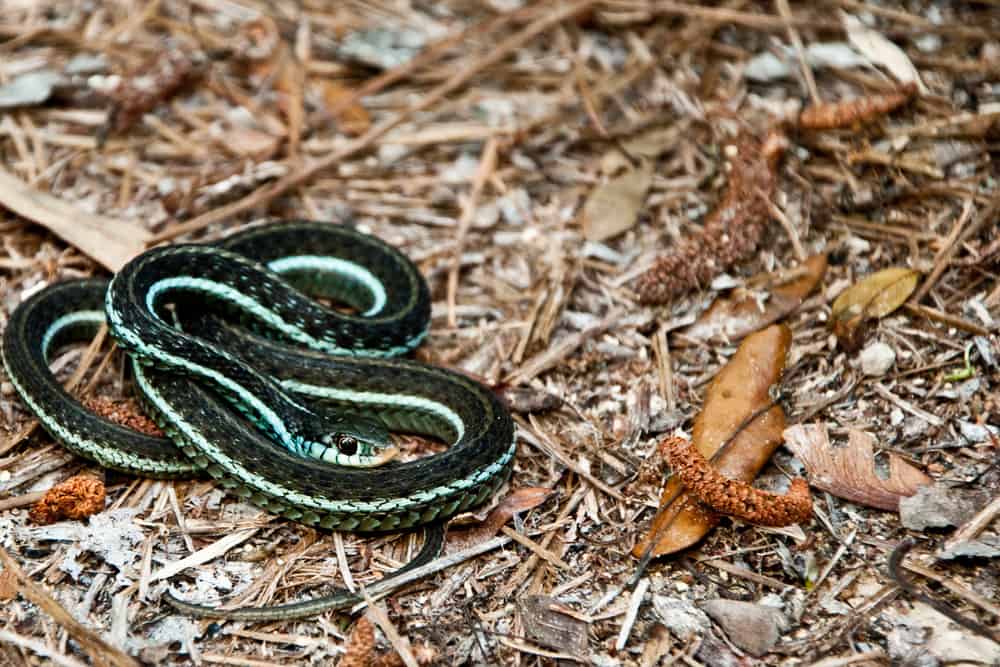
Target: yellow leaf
{"type": "Point", "coordinates": [871, 298]}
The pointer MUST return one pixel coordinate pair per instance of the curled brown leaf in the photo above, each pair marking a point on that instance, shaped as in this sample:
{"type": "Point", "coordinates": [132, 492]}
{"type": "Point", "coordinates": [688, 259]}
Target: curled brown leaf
{"type": "Point", "coordinates": [849, 472]}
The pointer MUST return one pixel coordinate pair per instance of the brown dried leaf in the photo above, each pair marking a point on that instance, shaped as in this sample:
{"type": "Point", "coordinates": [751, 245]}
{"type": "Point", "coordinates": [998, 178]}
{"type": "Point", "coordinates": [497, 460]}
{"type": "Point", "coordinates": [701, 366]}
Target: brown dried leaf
{"type": "Point", "coordinates": [738, 392]}
{"type": "Point", "coordinates": [352, 118]}
{"type": "Point", "coordinates": [613, 207]}
{"type": "Point", "coordinates": [849, 472]}
{"type": "Point", "coordinates": [250, 143]}
{"type": "Point", "coordinates": [519, 500]}
{"type": "Point", "coordinates": [109, 241]}
{"type": "Point", "coordinates": [649, 145]}
{"type": "Point", "coordinates": [741, 313]}
{"type": "Point", "coordinates": [881, 51]}
{"type": "Point", "coordinates": [874, 297]}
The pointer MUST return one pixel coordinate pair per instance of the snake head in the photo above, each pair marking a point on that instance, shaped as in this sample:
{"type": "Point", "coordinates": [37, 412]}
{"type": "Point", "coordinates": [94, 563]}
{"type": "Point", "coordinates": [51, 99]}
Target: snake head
{"type": "Point", "coordinates": [359, 443]}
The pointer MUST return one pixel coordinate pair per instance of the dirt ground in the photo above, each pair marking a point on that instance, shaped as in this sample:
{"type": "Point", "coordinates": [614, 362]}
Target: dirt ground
{"type": "Point", "coordinates": [577, 181]}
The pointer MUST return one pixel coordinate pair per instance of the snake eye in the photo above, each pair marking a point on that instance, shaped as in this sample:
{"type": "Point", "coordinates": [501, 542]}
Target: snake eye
{"type": "Point", "coordinates": [347, 444]}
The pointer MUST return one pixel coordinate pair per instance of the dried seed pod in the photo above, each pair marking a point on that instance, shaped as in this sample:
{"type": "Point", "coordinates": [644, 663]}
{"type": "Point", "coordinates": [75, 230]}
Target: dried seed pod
{"type": "Point", "coordinates": [361, 645]}
{"type": "Point", "coordinates": [153, 84]}
{"type": "Point", "coordinates": [76, 498]}
{"type": "Point", "coordinates": [735, 497]}
{"type": "Point", "coordinates": [732, 229]}
{"type": "Point", "coordinates": [860, 110]}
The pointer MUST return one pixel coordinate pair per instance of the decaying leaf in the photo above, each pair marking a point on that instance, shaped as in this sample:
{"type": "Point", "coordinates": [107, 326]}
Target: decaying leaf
{"type": "Point", "coordinates": [874, 297]}
{"type": "Point", "coordinates": [745, 311]}
{"type": "Point", "coordinates": [613, 207]}
{"type": "Point", "coordinates": [248, 142]}
{"type": "Point", "coordinates": [30, 89]}
{"type": "Point", "coordinates": [849, 472]}
{"type": "Point", "coordinates": [738, 393]}
{"type": "Point", "coordinates": [648, 144]}
{"type": "Point", "coordinates": [519, 500]}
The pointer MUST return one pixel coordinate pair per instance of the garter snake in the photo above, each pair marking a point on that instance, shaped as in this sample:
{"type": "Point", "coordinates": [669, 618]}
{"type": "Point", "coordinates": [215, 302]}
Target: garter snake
{"type": "Point", "coordinates": [212, 382]}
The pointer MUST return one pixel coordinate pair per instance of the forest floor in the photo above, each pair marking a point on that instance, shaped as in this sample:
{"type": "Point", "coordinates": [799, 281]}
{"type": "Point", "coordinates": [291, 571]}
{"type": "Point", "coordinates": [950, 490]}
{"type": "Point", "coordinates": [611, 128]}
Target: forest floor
{"type": "Point", "coordinates": [577, 181]}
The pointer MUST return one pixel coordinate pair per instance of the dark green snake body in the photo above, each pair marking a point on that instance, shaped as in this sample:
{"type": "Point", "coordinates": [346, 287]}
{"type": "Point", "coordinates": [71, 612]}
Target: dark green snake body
{"type": "Point", "coordinates": [283, 348]}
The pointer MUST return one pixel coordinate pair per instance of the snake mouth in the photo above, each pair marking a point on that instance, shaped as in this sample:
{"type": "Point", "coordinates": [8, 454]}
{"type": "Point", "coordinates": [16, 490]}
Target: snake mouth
{"type": "Point", "coordinates": [380, 458]}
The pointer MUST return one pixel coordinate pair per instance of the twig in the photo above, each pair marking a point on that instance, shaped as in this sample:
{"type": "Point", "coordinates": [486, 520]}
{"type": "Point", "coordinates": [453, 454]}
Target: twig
{"type": "Point", "coordinates": [986, 216]}
{"type": "Point", "coordinates": [487, 165]}
{"type": "Point", "coordinates": [971, 528]}
{"type": "Point", "coordinates": [43, 650]}
{"type": "Point", "coordinates": [380, 618]}
{"type": "Point", "coordinates": [305, 173]}
{"type": "Point", "coordinates": [536, 548]}
{"type": "Point", "coordinates": [101, 652]}
{"type": "Point", "coordinates": [896, 572]}
{"type": "Point", "coordinates": [944, 255]}
{"type": "Point", "coordinates": [212, 551]}
{"type": "Point", "coordinates": [945, 318]}
{"type": "Point", "coordinates": [633, 612]}
{"type": "Point", "coordinates": [793, 35]}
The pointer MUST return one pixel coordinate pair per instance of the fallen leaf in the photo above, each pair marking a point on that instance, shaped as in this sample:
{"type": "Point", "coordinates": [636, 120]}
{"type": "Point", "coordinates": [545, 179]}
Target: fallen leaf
{"type": "Point", "coordinates": [649, 144]}
{"type": "Point", "coordinates": [248, 142]}
{"type": "Point", "coordinates": [744, 311]}
{"type": "Point", "coordinates": [613, 207]}
{"type": "Point", "coordinates": [874, 46]}
{"type": "Point", "coordinates": [941, 505]}
{"type": "Point", "coordinates": [738, 392]}
{"type": "Point", "coordinates": [519, 500]}
{"type": "Point", "coordinates": [849, 472]}
{"type": "Point", "coordinates": [352, 118]}
{"type": "Point", "coordinates": [874, 297]}
{"type": "Point", "coordinates": [755, 628]}
{"type": "Point", "coordinates": [109, 241]}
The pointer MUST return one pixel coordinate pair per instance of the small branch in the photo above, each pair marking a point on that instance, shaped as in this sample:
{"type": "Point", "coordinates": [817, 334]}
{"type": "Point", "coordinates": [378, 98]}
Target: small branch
{"type": "Point", "coordinates": [896, 572]}
{"type": "Point", "coordinates": [793, 35]}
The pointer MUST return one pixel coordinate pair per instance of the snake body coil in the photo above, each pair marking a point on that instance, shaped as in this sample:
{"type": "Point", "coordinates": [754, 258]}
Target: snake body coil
{"type": "Point", "coordinates": [264, 383]}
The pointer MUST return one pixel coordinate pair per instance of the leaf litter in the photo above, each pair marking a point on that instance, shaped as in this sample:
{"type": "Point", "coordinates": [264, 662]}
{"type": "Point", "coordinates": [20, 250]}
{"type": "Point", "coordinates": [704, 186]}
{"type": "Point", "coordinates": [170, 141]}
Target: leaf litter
{"type": "Point", "coordinates": [294, 115]}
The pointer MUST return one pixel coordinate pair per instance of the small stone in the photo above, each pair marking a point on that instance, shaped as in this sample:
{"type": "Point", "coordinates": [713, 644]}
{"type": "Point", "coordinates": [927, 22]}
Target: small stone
{"type": "Point", "coordinates": [681, 616]}
{"type": "Point", "coordinates": [940, 506]}
{"type": "Point", "coordinates": [877, 359]}
{"type": "Point", "coordinates": [752, 627]}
